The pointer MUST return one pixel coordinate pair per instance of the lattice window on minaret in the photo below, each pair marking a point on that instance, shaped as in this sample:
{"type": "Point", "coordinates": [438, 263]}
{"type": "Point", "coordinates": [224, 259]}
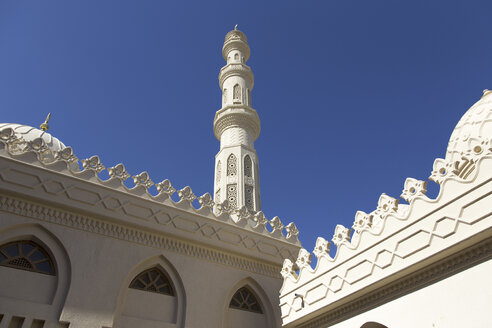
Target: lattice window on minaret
{"type": "Point", "coordinates": [249, 198]}
{"type": "Point", "coordinates": [249, 98]}
{"type": "Point", "coordinates": [248, 169]}
{"type": "Point", "coordinates": [218, 172]}
{"type": "Point", "coordinates": [236, 56]}
{"type": "Point", "coordinates": [231, 166]}
{"type": "Point", "coordinates": [232, 195]}
{"type": "Point", "coordinates": [237, 94]}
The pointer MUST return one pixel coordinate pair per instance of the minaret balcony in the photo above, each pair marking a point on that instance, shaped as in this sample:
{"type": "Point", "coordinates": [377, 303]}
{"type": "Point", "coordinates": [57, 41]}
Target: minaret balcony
{"type": "Point", "coordinates": [236, 69]}
{"type": "Point", "coordinates": [237, 116]}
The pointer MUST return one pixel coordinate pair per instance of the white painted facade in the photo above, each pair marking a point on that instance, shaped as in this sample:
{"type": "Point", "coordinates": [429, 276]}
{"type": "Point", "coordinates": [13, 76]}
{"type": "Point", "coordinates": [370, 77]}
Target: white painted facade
{"type": "Point", "coordinates": [423, 264]}
{"type": "Point", "coordinates": [80, 251]}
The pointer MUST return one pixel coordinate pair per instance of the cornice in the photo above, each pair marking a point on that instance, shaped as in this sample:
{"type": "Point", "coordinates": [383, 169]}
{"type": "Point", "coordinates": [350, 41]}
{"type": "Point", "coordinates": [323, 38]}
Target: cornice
{"type": "Point", "coordinates": [236, 69]}
{"type": "Point", "coordinates": [86, 223]}
{"type": "Point", "coordinates": [237, 116]}
{"type": "Point", "coordinates": [460, 261]}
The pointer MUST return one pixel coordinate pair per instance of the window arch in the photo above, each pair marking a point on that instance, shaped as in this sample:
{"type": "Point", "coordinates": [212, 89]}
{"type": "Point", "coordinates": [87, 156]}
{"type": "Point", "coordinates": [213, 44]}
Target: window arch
{"type": "Point", "coordinates": [26, 255]}
{"type": "Point", "coordinates": [236, 56]}
{"type": "Point", "coordinates": [372, 324]}
{"type": "Point", "coordinates": [231, 165]}
{"type": "Point", "coordinates": [153, 280]}
{"type": "Point", "coordinates": [237, 93]}
{"type": "Point", "coordinates": [245, 300]}
{"type": "Point", "coordinates": [248, 167]}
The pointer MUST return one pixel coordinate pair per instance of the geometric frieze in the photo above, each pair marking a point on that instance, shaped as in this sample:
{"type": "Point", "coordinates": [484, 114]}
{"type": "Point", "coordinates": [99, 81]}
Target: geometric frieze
{"type": "Point", "coordinates": [53, 187]}
{"type": "Point", "coordinates": [336, 284]}
{"type": "Point", "coordinates": [444, 227]}
{"type": "Point", "coordinates": [413, 244]}
{"type": "Point", "coordinates": [20, 178]}
{"type": "Point", "coordinates": [137, 211]}
{"type": "Point", "coordinates": [476, 210]}
{"type": "Point", "coordinates": [383, 259]}
{"type": "Point", "coordinates": [83, 195]}
{"type": "Point", "coordinates": [111, 203]}
{"type": "Point", "coordinates": [185, 224]}
{"type": "Point", "coordinates": [316, 293]}
{"type": "Point", "coordinates": [359, 271]}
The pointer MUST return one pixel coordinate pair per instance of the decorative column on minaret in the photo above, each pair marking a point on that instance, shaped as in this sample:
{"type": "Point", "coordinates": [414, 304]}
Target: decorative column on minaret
{"type": "Point", "coordinates": [236, 126]}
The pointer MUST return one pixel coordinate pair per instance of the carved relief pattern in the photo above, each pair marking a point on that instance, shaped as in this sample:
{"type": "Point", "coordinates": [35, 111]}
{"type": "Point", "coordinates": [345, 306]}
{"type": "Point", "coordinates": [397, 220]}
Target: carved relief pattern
{"type": "Point", "coordinates": [413, 188]}
{"type": "Point", "coordinates": [206, 200]}
{"type": "Point", "coordinates": [303, 259]}
{"type": "Point", "coordinates": [322, 248]}
{"type": "Point", "coordinates": [66, 155]}
{"type": "Point", "coordinates": [217, 196]}
{"type": "Point", "coordinates": [363, 221]}
{"type": "Point", "coordinates": [186, 194]}
{"type": "Point", "coordinates": [118, 172]}
{"type": "Point", "coordinates": [288, 270]}
{"type": "Point", "coordinates": [93, 163]}
{"type": "Point", "coordinates": [232, 195]}
{"type": "Point", "coordinates": [143, 180]}
{"type": "Point", "coordinates": [341, 235]}
{"type": "Point", "coordinates": [231, 165]}
{"type": "Point", "coordinates": [165, 187]}
{"type": "Point", "coordinates": [292, 231]}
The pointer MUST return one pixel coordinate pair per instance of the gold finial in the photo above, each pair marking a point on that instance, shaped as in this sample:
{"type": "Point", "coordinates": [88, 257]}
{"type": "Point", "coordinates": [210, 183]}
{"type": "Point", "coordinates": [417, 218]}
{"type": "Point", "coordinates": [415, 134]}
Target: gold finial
{"type": "Point", "coordinates": [235, 27]}
{"type": "Point", "coordinates": [44, 126]}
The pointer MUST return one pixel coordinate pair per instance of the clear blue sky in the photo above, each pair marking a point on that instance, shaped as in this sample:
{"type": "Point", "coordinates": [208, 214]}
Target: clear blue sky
{"type": "Point", "coordinates": [353, 96]}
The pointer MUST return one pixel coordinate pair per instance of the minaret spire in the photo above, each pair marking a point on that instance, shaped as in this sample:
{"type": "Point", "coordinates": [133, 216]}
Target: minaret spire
{"type": "Point", "coordinates": [237, 126]}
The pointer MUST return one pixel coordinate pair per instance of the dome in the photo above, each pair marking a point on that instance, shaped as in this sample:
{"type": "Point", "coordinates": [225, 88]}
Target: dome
{"type": "Point", "coordinates": [473, 130]}
{"type": "Point", "coordinates": [28, 133]}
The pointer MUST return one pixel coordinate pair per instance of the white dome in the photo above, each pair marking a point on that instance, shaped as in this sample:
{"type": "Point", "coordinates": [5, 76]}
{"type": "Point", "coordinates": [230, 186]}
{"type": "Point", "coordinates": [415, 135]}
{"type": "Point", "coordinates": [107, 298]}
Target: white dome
{"type": "Point", "coordinates": [28, 133]}
{"type": "Point", "coordinates": [474, 129]}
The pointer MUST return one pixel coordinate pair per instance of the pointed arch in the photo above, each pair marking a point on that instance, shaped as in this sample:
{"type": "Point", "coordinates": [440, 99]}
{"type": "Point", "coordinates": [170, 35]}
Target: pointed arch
{"type": "Point", "coordinates": [45, 292]}
{"type": "Point", "coordinates": [236, 56]}
{"type": "Point", "coordinates": [372, 324]}
{"type": "Point", "coordinates": [26, 255]}
{"type": "Point", "coordinates": [246, 300]}
{"type": "Point", "coordinates": [249, 318]}
{"type": "Point", "coordinates": [143, 304]}
{"type": "Point", "coordinates": [237, 94]}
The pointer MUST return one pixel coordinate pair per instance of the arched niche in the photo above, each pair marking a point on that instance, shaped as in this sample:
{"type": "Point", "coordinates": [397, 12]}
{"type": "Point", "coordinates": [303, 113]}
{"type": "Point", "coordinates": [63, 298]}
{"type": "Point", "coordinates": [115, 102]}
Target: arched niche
{"type": "Point", "coordinates": [145, 304]}
{"type": "Point", "coordinates": [372, 324]}
{"type": "Point", "coordinates": [236, 316]}
{"type": "Point", "coordinates": [43, 293]}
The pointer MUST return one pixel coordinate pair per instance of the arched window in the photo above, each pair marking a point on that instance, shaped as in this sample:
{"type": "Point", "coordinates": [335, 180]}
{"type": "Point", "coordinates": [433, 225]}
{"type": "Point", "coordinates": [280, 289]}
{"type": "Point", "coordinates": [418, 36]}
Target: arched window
{"type": "Point", "coordinates": [236, 56]}
{"type": "Point", "coordinates": [237, 94]}
{"type": "Point", "coordinates": [244, 299]}
{"type": "Point", "coordinates": [249, 97]}
{"type": "Point", "coordinates": [231, 165]}
{"type": "Point", "coordinates": [248, 170]}
{"type": "Point", "coordinates": [224, 95]}
{"type": "Point", "coordinates": [153, 280]}
{"type": "Point", "coordinates": [26, 255]}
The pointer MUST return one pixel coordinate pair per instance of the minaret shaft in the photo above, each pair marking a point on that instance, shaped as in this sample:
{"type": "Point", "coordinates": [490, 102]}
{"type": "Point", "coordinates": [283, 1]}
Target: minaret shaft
{"type": "Point", "coordinates": [237, 126]}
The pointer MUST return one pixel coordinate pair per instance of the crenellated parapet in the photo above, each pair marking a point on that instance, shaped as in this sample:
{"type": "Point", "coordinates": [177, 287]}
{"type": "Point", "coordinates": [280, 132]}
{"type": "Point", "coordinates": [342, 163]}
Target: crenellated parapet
{"type": "Point", "coordinates": [64, 161]}
{"type": "Point", "coordinates": [396, 240]}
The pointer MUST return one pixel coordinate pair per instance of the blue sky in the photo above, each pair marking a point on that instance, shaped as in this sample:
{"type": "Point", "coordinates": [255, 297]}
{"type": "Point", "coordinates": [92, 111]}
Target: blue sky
{"type": "Point", "coordinates": [354, 96]}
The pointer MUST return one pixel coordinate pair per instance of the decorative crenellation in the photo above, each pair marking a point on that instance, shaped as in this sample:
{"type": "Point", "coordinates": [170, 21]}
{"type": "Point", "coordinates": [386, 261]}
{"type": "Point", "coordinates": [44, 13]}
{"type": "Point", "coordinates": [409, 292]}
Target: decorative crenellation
{"type": "Point", "coordinates": [462, 170]}
{"type": "Point", "coordinates": [14, 146]}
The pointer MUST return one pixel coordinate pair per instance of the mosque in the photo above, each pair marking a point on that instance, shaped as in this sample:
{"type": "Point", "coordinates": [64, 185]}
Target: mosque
{"type": "Point", "coordinates": [80, 251]}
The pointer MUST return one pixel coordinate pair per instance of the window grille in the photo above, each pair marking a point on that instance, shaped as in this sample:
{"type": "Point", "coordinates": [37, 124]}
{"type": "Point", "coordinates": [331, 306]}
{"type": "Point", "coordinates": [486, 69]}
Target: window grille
{"type": "Point", "coordinates": [237, 93]}
{"type": "Point", "coordinates": [245, 300]}
{"type": "Point", "coordinates": [231, 165]}
{"type": "Point", "coordinates": [248, 172]}
{"type": "Point", "coordinates": [248, 191]}
{"type": "Point", "coordinates": [153, 280]}
{"type": "Point", "coordinates": [26, 255]}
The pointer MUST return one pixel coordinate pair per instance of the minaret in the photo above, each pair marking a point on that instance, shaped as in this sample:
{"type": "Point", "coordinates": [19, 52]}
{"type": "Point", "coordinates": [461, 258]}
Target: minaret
{"type": "Point", "coordinates": [236, 126]}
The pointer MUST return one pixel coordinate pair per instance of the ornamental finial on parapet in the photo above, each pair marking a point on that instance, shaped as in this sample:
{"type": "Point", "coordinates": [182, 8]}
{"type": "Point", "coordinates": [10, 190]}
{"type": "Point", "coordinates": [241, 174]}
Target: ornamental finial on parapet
{"type": "Point", "coordinates": [44, 126]}
{"type": "Point", "coordinates": [235, 27]}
